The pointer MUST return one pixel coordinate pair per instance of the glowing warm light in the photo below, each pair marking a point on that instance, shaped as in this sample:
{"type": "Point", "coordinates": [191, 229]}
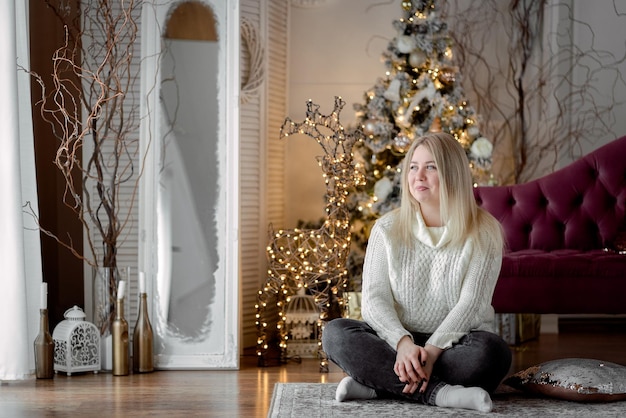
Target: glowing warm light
{"type": "Point", "coordinates": [313, 258]}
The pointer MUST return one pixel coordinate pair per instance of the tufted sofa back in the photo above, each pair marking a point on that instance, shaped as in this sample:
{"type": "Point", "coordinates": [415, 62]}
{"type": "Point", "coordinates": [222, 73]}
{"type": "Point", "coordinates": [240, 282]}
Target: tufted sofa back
{"type": "Point", "coordinates": [581, 206]}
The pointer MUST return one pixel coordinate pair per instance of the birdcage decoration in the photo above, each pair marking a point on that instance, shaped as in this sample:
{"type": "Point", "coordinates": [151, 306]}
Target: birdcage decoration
{"type": "Point", "coordinates": [76, 344]}
{"type": "Point", "coordinates": [302, 318]}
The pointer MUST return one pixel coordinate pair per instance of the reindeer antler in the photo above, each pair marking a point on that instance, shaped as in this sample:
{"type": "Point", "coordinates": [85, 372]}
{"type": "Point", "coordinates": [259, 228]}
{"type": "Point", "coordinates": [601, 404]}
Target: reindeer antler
{"type": "Point", "coordinates": [333, 139]}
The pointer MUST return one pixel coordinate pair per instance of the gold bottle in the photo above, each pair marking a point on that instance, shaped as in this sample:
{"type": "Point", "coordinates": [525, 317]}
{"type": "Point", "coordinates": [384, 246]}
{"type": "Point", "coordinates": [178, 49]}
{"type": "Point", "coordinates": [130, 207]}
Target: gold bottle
{"type": "Point", "coordinates": [120, 337]}
{"type": "Point", "coordinates": [142, 339]}
{"type": "Point", "coordinates": [44, 349]}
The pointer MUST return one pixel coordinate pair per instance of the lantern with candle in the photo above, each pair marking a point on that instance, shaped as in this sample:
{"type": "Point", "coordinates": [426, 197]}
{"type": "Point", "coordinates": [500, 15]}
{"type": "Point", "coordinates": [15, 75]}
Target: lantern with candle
{"type": "Point", "coordinates": [76, 344]}
{"type": "Point", "coordinates": [302, 325]}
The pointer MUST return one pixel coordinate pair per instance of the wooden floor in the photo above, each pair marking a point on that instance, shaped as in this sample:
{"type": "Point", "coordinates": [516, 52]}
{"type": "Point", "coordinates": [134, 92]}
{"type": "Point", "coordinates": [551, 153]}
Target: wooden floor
{"type": "Point", "coordinates": [243, 393]}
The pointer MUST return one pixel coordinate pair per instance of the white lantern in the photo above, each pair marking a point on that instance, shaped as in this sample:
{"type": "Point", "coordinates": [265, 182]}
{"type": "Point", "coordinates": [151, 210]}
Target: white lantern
{"type": "Point", "coordinates": [302, 325]}
{"type": "Point", "coordinates": [76, 344]}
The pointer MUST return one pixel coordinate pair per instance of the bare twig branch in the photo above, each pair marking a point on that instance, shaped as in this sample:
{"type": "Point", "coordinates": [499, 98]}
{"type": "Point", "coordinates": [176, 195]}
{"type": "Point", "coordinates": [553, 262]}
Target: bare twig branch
{"type": "Point", "coordinates": [91, 109]}
{"type": "Point", "coordinates": [529, 83]}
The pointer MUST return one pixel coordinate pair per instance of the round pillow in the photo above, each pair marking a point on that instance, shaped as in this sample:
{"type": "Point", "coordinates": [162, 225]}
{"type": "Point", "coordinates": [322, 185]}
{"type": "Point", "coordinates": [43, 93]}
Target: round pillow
{"type": "Point", "coordinates": [573, 379]}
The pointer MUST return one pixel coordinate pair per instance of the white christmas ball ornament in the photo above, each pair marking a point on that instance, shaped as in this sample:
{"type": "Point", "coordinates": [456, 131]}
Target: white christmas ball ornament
{"type": "Point", "coordinates": [405, 44]}
{"type": "Point", "coordinates": [369, 126]}
{"type": "Point", "coordinates": [382, 188]}
{"type": "Point", "coordinates": [417, 58]}
{"type": "Point", "coordinates": [481, 148]}
{"type": "Point", "coordinates": [473, 132]}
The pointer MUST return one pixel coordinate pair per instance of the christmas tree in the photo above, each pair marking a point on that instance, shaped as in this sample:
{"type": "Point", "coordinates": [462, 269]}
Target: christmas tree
{"type": "Point", "coordinates": [420, 92]}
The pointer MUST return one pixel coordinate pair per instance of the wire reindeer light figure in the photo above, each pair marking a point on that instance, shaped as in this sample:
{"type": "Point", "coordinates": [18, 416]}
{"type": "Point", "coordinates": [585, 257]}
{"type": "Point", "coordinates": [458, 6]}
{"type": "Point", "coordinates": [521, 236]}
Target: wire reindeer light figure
{"type": "Point", "coordinates": [313, 259]}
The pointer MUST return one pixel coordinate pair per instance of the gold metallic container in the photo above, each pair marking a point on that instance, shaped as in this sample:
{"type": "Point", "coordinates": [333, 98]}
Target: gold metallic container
{"type": "Point", "coordinates": [120, 341]}
{"type": "Point", "coordinates": [143, 339]}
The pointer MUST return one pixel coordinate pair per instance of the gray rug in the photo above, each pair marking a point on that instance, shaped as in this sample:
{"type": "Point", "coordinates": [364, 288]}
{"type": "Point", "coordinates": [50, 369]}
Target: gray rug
{"type": "Point", "coordinates": [308, 400]}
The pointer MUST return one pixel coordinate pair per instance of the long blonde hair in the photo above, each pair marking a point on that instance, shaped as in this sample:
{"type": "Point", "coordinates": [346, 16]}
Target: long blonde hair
{"type": "Point", "coordinates": [459, 211]}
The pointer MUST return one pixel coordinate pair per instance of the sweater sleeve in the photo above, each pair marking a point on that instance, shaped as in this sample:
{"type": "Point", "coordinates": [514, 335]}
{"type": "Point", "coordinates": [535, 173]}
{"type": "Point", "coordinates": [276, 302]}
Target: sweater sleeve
{"type": "Point", "coordinates": [377, 301]}
{"type": "Point", "coordinates": [473, 307]}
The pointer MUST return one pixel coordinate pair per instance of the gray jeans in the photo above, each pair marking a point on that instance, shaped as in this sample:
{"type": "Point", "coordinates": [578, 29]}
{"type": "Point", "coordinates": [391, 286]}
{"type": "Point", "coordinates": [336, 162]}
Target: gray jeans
{"type": "Point", "coordinates": [479, 358]}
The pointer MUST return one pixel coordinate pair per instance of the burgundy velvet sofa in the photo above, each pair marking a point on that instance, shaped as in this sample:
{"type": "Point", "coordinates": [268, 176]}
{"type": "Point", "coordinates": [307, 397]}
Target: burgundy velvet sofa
{"type": "Point", "coordinates": [565, 235]}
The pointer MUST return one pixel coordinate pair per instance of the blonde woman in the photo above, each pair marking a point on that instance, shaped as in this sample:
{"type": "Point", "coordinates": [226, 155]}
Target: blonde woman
{"type": "Point", "coordinates": [428, 278]}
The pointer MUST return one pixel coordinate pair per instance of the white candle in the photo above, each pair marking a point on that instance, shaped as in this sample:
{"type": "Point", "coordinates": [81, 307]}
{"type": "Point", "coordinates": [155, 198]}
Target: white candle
{"type": "Point", "coordinates": [43, 303]}
{"type": "Point", "coordinates": [142, 282]}
{"type": "Point", "coordinates": [121, 288]}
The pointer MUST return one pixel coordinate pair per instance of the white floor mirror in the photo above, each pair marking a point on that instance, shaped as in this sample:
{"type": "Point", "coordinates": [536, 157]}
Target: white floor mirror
{"type": "Point", "coordinates": [189, 203]}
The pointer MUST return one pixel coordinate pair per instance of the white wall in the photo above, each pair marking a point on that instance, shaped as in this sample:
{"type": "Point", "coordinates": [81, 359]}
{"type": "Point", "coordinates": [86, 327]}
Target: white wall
{"type": "Point", "coordinates": [335, 49]}
{"type": "Point", "coordinates": [606, 18]}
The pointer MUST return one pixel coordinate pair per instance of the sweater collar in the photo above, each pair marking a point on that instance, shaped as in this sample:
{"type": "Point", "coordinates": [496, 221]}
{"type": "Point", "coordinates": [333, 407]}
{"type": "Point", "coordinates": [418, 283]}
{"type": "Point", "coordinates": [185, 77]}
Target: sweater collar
{"type": "Point", "coordinates": [434, 237]}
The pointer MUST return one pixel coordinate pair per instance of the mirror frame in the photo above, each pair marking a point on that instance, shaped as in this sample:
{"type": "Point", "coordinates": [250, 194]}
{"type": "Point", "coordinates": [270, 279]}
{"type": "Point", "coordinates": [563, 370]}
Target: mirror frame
{"type": "Point", "coordinates": [153, 22]}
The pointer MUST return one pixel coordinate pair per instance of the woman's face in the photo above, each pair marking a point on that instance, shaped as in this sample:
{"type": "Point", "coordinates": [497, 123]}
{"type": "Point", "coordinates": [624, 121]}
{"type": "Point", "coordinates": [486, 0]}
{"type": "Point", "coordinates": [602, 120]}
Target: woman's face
{"type": "Point", "coordinates": [424, 178]}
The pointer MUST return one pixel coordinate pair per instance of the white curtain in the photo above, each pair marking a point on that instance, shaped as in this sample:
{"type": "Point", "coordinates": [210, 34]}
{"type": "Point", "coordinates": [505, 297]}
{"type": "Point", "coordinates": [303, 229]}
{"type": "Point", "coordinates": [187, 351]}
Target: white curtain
{"type": "Point", "coordinates": [20, 254]}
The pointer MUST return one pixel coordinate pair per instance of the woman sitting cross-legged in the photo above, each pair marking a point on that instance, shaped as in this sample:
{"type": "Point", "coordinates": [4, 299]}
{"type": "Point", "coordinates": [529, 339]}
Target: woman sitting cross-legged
{"type": "Point", "coordinates": [429, 274]}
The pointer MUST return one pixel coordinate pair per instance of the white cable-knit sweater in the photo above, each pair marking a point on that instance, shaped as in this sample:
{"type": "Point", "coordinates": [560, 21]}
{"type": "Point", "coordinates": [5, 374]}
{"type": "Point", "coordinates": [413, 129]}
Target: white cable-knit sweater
{"type": "Point", "coordinates": [436, 288]}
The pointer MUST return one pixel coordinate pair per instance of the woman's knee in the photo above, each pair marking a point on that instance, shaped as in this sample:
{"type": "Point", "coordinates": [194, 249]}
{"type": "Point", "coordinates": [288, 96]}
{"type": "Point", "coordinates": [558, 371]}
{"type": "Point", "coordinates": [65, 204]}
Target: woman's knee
{"type": "Point", "coordinates": [332, 333]}
{"type": "Point", "coordinates": [497, 348]}
{"type": "Point", "coordinates": [344, 333]}
{"type": "Point", "coordinates": [480, 359]}
{"type": "Point", "coordinates": [496, 359]}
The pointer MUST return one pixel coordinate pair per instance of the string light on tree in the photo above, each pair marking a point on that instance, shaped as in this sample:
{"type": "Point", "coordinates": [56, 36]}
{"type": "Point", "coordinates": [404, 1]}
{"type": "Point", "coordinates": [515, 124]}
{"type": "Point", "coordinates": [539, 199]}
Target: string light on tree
{"type": "Point", "coordinates": [419, 92]}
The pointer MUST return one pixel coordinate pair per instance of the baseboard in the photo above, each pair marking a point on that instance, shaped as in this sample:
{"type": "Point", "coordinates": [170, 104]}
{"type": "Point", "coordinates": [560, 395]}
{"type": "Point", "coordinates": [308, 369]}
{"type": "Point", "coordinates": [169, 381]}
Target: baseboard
{"type": "Point", "coordinates": [592, 325]}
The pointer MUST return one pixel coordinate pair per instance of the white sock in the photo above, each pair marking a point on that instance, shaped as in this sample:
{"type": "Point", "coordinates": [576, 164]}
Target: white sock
{"type": "Point", "coordinates": [456, 396]}
{"type": "Point", "coordinates": [349, 388]}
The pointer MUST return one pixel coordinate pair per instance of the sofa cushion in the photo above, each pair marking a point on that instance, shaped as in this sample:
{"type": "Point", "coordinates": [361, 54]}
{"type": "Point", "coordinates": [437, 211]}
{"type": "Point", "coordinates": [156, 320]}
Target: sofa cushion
{"type": "Point", "coordinates": [564, 264]}
{"type": "Point", "coordinates": [561, 281]}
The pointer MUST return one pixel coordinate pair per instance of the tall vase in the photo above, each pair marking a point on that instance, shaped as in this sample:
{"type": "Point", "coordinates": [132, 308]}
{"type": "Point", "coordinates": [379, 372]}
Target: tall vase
{"type": "Point", "coordinates": [104, 289]}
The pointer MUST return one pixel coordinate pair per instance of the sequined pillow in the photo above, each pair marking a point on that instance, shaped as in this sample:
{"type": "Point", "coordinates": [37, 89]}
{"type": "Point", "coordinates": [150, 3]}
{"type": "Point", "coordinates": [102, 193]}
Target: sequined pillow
{"type": "Point", "coordinates": [573, 379]}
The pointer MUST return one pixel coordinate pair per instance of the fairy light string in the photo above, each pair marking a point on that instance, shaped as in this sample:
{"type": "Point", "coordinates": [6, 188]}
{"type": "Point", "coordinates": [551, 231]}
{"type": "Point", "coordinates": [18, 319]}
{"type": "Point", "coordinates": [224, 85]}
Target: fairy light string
{"type": "Point", "coordinates": [313, 259]}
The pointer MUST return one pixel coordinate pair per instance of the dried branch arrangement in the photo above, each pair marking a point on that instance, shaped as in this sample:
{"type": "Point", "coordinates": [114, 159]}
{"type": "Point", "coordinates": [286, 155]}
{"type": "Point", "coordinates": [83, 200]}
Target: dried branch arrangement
{"type": "Point", "coordinates": [536, 79]}
{"type": "Point", "coordinates": [94, 115]}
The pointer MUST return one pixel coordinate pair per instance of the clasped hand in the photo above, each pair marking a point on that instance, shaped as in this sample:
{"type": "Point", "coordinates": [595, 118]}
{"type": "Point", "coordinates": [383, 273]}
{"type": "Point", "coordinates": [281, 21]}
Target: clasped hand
{"type": "Point", "coordinates": [414, 365]}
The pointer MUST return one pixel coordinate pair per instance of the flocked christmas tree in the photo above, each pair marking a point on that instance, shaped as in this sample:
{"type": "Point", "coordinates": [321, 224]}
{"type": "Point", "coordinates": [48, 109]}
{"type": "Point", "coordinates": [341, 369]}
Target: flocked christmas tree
{"type": "Point", "coordinates": [420, 92]}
